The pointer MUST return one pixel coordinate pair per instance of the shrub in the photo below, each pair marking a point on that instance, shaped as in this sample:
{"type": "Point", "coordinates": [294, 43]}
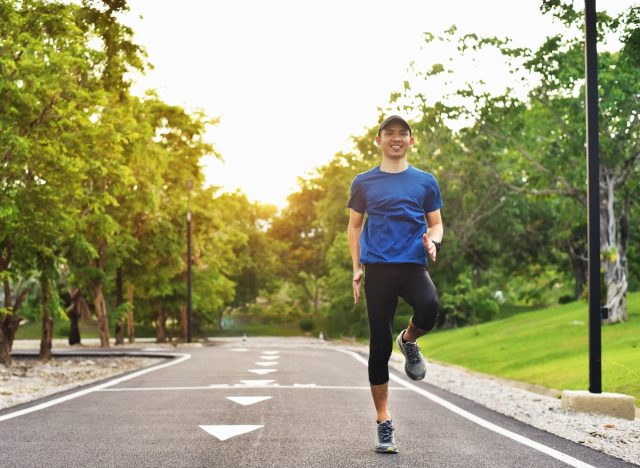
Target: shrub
{"type": "Point", "coordinates": [306, 324]}
{"type": "Point", "coordinates": [565, 299]}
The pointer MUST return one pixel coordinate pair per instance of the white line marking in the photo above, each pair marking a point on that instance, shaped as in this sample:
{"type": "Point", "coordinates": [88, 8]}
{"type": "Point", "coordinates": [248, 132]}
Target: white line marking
{"type": "Point", "coordinates": [180, 358]}
{"type": "Point", "coordinates": [262, 371]}
{"type": "Point", "coordinates": [256, 383]}
{"type": "Point", "coordinates": [262, 363]}
{"type": "Point", "coordinates": [271, 358]}
{"type": "Point", "coordinates": [270, 352]}
{"type": "Point", "coordinates": [478, 420]}
{"type": "Point", "coordinates": [226, 387]}
{"type": "Point", "coordinates": [248, 400]}
{"type": "Point", "coordinates": [226, 432]}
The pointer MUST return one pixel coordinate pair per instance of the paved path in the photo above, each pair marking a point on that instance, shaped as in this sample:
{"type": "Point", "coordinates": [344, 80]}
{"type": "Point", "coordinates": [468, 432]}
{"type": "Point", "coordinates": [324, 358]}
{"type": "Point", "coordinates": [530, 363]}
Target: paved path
{"type": "Point", "coordinates": [269, 403]}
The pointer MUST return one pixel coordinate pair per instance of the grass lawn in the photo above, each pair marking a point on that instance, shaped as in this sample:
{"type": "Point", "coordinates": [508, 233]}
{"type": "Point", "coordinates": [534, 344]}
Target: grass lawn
{"type": "Point", "coordinates": [89, 329]}
{"type": "Point", "coordinates": [33, 330]}
{"type": "Point", "coordinates": [548, 347]}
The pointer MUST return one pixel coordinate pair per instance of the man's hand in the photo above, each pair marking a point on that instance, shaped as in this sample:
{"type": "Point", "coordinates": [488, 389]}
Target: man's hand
{"type": "Point", "coordinates": [357, 281]}
{"type": "Point", "coordinates": [430, 246]}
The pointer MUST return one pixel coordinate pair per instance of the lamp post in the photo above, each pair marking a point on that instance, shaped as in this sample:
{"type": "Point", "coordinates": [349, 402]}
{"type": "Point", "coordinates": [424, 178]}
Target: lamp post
{"type": "Point", "coordinates": [593, 197]}
{"type": "Point", "coordinates": [189, 261]}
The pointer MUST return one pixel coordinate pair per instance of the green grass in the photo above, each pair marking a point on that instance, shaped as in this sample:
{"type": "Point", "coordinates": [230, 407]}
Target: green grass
{"type": "Point", "coordinates": [33, 330]}
{"type": "Point", "coordinates": [89, 329]}
{"type": "Point", "coordinates": [548, 347]}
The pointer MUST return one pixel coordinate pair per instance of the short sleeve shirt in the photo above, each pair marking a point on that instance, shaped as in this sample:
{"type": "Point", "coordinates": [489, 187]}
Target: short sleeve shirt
{"type": "Point", "coordinates": [395, 205]}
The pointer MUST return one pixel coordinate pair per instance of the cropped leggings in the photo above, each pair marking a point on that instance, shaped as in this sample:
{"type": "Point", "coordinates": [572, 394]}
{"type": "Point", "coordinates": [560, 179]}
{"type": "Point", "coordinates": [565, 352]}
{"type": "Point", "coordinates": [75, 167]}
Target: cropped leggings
{"type": "Point", "coordinates": [384, 283]}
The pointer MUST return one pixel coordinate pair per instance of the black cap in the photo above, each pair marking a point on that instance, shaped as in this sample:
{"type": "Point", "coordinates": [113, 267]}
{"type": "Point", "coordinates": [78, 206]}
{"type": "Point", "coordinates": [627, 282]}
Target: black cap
{"type": "Point", "coordinates": [394, 119]}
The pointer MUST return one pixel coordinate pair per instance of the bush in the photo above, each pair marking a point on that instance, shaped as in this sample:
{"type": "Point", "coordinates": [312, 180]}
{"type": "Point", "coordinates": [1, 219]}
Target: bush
{"type": "Point", "coordinates": [306, 324]}
{"type": "Point", "coordinates": [467, 304]}
{"type": "Point", "coordinates": [566, 299]}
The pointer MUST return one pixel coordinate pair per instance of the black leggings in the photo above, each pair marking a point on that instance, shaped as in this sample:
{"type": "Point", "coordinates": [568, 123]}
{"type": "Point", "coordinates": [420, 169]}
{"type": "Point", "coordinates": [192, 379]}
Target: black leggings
{"type": "Point", "coordinates": [384, 283]}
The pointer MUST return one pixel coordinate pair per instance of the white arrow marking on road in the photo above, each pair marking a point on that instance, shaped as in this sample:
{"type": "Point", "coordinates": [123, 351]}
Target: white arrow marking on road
{"type": "Point", "coordinates": [262, 371]}
{"type": "Point", "coordinates": [263, 363]}
{"type": "Point", "coordinates": [270, 358]}
{"type": "Point", "coordinates": [226, 432]}
{"type": "Point", "coordinates": [247, 400]}
{"type": "Point", "coordinates": [257, 383]}
{"type": "Point", "coordinates": [270, 352]}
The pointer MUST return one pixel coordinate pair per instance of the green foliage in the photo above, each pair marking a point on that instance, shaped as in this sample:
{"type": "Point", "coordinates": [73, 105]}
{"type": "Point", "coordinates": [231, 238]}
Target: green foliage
{"type": "Point", "coordinates": [343, 316]}
{"type": "Point", "coordinates": [97, 183]}
{"type": "Point", "coordinates": [466, 304]}
{"type": "Point", "coordinates": [306, 324]}
{"type": "Point", "coordinates": [95, 180]}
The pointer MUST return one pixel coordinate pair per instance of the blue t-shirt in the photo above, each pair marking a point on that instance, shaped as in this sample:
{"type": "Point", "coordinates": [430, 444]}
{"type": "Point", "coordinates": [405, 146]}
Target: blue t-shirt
{"type": "Point", "coordinates": [395, 204]}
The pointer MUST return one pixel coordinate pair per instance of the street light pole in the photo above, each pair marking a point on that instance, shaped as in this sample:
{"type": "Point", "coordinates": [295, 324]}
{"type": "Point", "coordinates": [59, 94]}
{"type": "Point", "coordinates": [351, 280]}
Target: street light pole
{"type": "Point", "coordinates": [189, 261]}
{"type": "Point", "coordinates": [593, 197]}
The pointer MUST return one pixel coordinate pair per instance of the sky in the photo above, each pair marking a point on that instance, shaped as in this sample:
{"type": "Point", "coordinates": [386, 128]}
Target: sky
{"type": "Point", "coordinates": [293, 80]}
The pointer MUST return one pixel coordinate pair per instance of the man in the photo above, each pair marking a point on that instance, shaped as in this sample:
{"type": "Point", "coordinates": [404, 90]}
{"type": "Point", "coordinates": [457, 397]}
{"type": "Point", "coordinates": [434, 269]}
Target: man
{"type": "Point", "coordinates": [403, 226]}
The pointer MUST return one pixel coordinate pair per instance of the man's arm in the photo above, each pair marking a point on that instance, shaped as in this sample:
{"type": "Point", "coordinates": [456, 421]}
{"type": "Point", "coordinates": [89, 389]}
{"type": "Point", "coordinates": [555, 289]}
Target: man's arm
{"type": "Point", "coordinates": [434, 233]}
{"type": "Point", "coordinates": [355, 228]}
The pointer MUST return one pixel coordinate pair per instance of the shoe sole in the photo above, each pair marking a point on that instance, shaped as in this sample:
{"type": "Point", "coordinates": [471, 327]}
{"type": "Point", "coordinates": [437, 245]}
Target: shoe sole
{"type": "Point", "coordinates": [386, 450]}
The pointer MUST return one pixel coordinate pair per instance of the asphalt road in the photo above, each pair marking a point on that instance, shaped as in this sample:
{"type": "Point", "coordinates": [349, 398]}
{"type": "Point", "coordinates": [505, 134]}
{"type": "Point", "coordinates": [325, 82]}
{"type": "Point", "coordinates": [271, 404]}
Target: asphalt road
{"type": "Point", "coordinates": [269, 403]}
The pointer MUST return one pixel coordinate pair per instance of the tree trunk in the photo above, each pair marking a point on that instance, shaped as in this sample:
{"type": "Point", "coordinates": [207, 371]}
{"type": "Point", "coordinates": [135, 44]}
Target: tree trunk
{"type": "Point", "coordinates": [613, 242]}
{"type": "Point", "coordinates": [183, 323]}
{"type": "Point", "coordinates": [74, 327]}
{"type": "Point", "coordinates": [580, 271]}
{"type": "Point", "coordinates": [119, 332]}
{"type": "Point", "coordinates": [101, 315]}
{"type": "Point", "coordinates": [7, 329]}
{"type": "Point", "coordinates": [47, 320]}
{"type": "Point", "coordinates": [5, 350]}
{"type": "Point", "coordinates": [161, 331]}
{"type": "Point", "coordinates": [119, 326]}
{"type": "Point", "coordinates": [130, 327]}
{"type": "Point", "coordinates": [10, 321]}
{"type": "Point", "coordinates": [76, 311]}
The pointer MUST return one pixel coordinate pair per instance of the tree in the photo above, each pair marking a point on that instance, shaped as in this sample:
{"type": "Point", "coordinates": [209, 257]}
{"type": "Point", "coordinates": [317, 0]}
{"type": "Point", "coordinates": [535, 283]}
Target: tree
{"type": "Point", "coordinates": [48, 94]}
{"type": "Point", "coordinates": [535, 142]}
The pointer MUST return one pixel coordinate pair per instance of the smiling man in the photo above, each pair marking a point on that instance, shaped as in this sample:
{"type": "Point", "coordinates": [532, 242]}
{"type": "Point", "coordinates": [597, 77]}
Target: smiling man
{"type": "Point", "coordinates": [389, 250]}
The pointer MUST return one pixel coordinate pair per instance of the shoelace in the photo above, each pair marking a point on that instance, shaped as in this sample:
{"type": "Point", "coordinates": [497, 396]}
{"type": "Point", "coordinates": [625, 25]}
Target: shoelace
{"type": "Point", "coordinates": [413, 352]}
{"type": "Point", "coordinates": [385, 433]}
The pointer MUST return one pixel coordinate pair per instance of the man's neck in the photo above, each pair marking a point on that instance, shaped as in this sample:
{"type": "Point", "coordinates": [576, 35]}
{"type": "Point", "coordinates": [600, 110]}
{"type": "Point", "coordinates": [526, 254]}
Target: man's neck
{"type": "Point", "coordinates": [394, 165]}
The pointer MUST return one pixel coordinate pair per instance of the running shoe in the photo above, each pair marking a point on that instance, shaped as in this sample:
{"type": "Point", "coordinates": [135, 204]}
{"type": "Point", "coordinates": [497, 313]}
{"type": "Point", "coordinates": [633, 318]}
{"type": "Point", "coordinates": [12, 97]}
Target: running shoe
{"type": "Point", "coordinates": [386, 438]}
{"type": "Point", "coordinates": [414, 364]}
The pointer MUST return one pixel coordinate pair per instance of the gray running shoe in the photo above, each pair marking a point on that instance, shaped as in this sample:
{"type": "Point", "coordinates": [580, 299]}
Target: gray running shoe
{"type": "Point", "coordinates": [414, 364]}
{"type": "Point", "coordinates": [386, 438]}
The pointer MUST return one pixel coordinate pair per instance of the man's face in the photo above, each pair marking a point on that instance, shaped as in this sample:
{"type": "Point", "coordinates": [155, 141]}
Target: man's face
{"type": "Point", "coordinates": [395, 140]}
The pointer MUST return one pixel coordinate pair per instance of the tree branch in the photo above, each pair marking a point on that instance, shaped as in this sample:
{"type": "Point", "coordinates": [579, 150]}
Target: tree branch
{"type": "Point", "coordinates": [563, 124]}
{"type": "Point", "coordinates": [569, 191]}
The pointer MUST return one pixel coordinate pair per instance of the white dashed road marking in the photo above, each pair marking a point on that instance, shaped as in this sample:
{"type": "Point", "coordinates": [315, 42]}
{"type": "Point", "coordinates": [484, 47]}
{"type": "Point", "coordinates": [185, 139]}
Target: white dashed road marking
{"type": "Point", "coordinates": [262, 371]}
{"type": "Point", "coordinates": [256, 383]}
